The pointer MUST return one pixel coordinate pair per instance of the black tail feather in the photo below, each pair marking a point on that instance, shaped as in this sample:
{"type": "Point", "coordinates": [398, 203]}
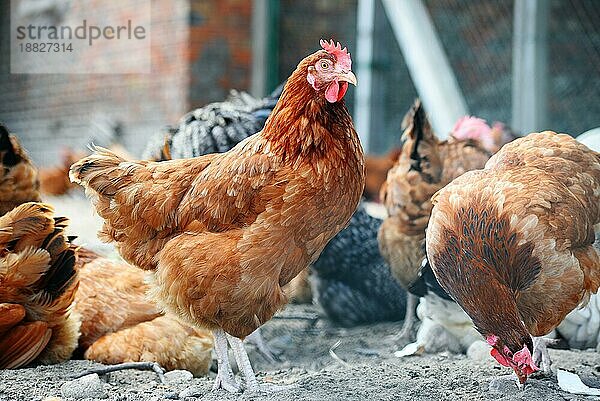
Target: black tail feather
{"type": "Point", "coordinates": [9, 156]}
{"type": "Point", "coordinates": [59, 276]}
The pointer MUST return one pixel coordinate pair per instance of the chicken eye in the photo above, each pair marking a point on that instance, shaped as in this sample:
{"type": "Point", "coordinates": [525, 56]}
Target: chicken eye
{"type": "Point", "coordinates": [324, 64]}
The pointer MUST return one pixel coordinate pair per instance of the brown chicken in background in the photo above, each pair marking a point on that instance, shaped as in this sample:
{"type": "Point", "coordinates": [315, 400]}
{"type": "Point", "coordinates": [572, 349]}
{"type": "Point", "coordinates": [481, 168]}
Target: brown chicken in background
{"type": "Point", "coordinates": [513, 243]}
{"type": "Point", "coordinates": [425, 165]}
{"type": "Point", "coordinates": [119, 324]}
{"type": "Point", "coordinates": [377, 168]}
{"type": "Point", "coordinates": [38, 280]}
{"type": "Point", "coordinates": [55, 180]}
{"type": "Point", "coordinates": [18, 176]}
{"type": "Point", "coordinates": [224, 232]}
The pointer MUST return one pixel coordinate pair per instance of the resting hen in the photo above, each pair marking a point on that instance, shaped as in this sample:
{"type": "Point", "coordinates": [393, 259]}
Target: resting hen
{"type": "Point", "coordinates": [18, 176]}
{"type": "Point", "coordinates": [352, 282]}
{"type": "Point", "coordinates": [119, 324]}
{"type": "Point", "coordinates": [38, 280]}
{"type": "Point", "coordinates": [224, 232]}
{"type": "Point", "coordinates": [424, 166]}
{"type": "Point", "coordinates": [116, 318]}
{"type": "Point", "coordinates": [513, 243]}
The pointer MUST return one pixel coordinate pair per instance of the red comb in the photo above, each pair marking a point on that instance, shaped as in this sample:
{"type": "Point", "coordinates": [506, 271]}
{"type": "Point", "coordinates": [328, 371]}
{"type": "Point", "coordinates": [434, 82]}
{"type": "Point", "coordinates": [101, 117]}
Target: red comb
{"type": "Point", "coordinates": [341, 55]}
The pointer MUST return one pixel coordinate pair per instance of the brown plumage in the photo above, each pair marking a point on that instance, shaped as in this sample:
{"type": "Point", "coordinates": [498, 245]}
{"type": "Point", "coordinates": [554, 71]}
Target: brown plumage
{"type": "Point", "coordinates": [512, 243]}
{"type": "Point", "coordinates": [38, 280]}
{"type": "Point", "coordinates": [425, 165]}
{"type": "Point", "coordinates": [111, 296]}
{"type": "Point", "coordinates": [120, 324]}
{"type": "Point", "coordinates": [164, 339]}
{"type": "Point", "coordinates": [55, 180]}
{"type": "Point", "coordinates": [377, 168]}
{"type": "Point", "coordinates": [224, 232]}
{"type": "Point", "coordinates": [18, 176]}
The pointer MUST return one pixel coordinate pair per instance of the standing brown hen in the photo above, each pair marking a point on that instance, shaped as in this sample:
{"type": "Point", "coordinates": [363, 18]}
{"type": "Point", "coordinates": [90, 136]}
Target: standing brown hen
{"type": "Point", "coordinates": [224, 232]}
{"type": "Point", "coordinates": [512, 243]}
{"type": "Point", "coordinates": [424, 166]}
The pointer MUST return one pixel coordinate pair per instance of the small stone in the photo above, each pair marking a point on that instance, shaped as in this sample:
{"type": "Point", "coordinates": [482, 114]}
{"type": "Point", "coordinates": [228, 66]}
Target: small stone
{"type": "Point", "coordinates": [479, 351]}
{"type": "Point", "coordinates": [193, 391]}
{"type": "Point", "coordinates": [171, 395]}
{"type": "Point", "coordinates": [178, 377]}
{"type": "Point", "coordinates": [504, 385]}
{"type": "Point", "coordinates": [89, 386]}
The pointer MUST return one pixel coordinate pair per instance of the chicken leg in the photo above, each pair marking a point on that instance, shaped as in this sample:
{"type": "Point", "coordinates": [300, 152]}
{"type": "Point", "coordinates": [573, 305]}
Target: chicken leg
{"type": "Point", "coordinates": [262, 347]}
{"type": "Point", "coordinates": [410, 319]}
{"type": "Point", "coordinates": [241, 357]}
{"type": "Point", "coordinates": [225, 378]}
{"type": "Point", "coordinates": [541, 357]}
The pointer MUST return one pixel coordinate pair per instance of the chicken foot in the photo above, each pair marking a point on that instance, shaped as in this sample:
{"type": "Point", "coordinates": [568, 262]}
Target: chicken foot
{"type": "Point", "coordinates": [241, 357]}
{"type": "Point", "coordinates": [541, 357]}
{"type": "Point", "coordinates": [225, 378]}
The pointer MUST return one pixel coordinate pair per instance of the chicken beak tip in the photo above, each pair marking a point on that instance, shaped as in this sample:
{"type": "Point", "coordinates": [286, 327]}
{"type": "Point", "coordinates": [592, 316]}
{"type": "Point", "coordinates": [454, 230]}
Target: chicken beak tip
{"type": "Point", "coordinates": [349, 77]}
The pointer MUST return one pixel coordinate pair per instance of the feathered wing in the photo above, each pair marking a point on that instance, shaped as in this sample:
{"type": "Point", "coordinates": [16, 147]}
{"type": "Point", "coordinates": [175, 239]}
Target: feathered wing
{"type": "Point", "coordinates": [20, 342]}
{"type": "Point", "coordinates": [214, 128]}
{"type": "Point", "coordinates": [138, 200]}
{"type": "Point", "coordinates": [38, 276]}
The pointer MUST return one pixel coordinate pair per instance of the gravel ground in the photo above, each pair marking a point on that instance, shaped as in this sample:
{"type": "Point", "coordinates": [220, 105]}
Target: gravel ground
{"type": "Point", "coordinates": [366, 370]}
{"type": "Point", "coordinates": [362, 366]}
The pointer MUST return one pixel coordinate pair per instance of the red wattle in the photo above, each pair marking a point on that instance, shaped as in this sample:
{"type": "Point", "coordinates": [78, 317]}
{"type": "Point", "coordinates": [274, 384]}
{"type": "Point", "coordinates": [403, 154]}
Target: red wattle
{"type": "Point", "coordinates": [331, 94]}
{"type": "Point", "coordinates": [343, 89]}
{"type": "Point", "coordinates": [499, 357]}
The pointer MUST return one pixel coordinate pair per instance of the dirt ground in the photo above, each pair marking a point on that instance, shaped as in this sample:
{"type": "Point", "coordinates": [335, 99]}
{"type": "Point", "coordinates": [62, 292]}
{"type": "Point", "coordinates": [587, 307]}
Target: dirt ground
{"type": "Point", "coordinates": [367, 370]}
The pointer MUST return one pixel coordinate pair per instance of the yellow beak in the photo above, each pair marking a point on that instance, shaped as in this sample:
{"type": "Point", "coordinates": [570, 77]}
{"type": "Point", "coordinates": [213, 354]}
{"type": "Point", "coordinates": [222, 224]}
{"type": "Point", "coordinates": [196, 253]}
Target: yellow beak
{"type": "Point", "coordinates": [348, 77]}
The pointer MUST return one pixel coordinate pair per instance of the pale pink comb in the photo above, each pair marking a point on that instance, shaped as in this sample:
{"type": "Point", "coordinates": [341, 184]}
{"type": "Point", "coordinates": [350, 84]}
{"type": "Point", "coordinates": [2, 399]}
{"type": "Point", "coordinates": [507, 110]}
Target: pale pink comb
{"type": "Point", "coordinates": [341, 55]}
{"type": "Point", "coordinates": [469, 127]}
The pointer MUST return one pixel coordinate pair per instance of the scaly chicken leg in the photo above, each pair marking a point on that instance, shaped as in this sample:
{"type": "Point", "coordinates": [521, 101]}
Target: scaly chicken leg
{"type": "Point", "coordinates": [541, 357]}
{"type": "Point", "coordinates": [262, 347]}
{"type": "Point", "coordinates": [241, 357]}
{"type": "Point", "coordinates": [225, 378]}
{"type": "Point", "coordinates": [407, 331]}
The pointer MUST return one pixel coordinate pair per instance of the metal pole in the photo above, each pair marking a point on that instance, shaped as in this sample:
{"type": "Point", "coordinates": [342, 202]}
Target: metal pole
{"type": "Point", "coordinates": [427, 63]}
{"type": "Point", "coordinates": [530, 65]}
{"type": "Point", "coordinates": [260, 31]}
{"type": "Point", "coordinates": [364, 58]}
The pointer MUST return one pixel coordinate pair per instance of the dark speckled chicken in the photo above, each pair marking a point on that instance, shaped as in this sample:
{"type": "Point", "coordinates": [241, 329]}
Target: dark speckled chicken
{"type": "Point", "coordinates": [352, 282]}
{"type": "Point", "coordinates": [214, 128]}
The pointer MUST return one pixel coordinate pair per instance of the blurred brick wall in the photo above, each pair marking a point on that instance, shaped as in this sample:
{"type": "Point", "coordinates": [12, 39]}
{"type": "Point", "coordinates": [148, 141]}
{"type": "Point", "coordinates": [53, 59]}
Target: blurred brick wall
{"type": "Point", "coordinates": [220, 49]}
{"type": "Point", "coordinates": [200, 49]}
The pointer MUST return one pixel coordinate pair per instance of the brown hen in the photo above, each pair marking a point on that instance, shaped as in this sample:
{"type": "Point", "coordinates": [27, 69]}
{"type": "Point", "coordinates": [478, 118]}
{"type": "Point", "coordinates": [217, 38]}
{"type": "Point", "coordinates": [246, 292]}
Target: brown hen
{"type": "Point", "coordinates": [224, 232]}
{"type": "Point", "coordinates": [119, 324]}
{"type": "Point", "coordinates": [18, 176]}
{"type": "Point", "coordinates": [38, 280]}
{"type": "Point", "coordinates": [55, 180]}
{"type": "Point", "coordinates": [512, 243]}
{"type": "Point", "coordinates": [424, 166]}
